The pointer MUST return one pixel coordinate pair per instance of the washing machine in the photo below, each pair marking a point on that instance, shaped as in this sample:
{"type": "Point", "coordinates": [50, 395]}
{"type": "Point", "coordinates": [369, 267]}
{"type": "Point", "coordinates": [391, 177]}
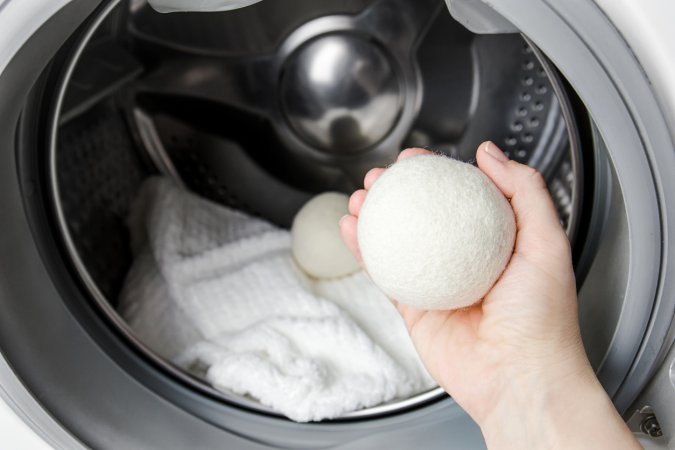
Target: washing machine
{"type": "Point", "coordinates": [258, 106]}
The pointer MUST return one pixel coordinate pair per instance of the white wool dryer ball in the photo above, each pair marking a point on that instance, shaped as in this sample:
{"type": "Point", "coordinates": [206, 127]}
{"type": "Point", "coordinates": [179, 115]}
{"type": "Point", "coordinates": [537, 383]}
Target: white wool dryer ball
{"type": "Point", "coordinates": [317, 245]}
{"type": "Point", "coordinates": [435, 233]}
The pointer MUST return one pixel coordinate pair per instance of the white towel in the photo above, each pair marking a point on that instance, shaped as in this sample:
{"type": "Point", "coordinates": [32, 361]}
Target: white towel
{"type": "Point", "coordinates": [215, 289]}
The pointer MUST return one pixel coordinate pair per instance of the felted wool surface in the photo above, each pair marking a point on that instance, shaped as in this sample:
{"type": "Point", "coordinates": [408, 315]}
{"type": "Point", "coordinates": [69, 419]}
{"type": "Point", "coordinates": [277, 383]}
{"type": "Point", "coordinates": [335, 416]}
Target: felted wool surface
{"type": "Point", "coordinates": [218, 293]}
{"type": "Point", "coordinates": [435, 233]}
{"type": "Point", "coordinates": [317, 245]}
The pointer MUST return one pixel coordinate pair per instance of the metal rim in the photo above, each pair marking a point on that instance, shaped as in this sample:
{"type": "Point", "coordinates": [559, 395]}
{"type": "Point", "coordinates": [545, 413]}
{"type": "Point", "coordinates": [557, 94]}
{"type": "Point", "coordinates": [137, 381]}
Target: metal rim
{"type": "Point", "coordinates": [573, 136]}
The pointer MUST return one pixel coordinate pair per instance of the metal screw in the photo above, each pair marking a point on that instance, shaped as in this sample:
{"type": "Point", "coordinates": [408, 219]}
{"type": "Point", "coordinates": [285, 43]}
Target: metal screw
{"type": "Point", "coordinates": [650, 426]}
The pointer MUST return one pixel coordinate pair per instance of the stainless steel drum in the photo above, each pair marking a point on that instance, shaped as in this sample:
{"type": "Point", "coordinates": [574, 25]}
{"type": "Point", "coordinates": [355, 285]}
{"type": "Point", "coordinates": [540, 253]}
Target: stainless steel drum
{"type": "Point", "coordinates": [261, 108]}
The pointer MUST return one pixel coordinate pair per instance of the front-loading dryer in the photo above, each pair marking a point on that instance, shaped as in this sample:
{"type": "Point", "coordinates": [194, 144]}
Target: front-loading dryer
{"type": "Point", "coordinates": [96, 96]}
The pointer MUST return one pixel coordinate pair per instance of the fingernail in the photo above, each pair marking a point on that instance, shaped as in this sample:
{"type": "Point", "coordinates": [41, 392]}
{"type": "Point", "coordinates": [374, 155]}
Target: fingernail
{"type": "Point", "coordinates": [494, 151]}
{"type": "Point", "coordinates": [342, 219]}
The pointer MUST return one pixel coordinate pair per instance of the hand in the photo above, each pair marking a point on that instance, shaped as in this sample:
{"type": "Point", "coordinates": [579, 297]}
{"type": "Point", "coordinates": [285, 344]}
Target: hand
{"type": "Point", "coordinates": [515, 361]}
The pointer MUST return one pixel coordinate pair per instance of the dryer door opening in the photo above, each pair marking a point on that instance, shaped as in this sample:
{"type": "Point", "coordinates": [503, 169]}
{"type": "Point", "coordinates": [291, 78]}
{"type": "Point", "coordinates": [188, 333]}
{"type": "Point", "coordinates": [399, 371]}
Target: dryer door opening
{"type": "Point", "coordinates": [262, 121]}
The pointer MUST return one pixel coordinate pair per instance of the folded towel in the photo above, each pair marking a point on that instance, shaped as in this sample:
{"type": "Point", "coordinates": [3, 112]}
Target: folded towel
{"type": "Point", "coordinates": [217, 292]}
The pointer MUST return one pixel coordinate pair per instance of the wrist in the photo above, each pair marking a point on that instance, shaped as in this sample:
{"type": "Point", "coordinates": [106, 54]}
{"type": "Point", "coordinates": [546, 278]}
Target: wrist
{"type": "Point", "coordinates": [549, 409]}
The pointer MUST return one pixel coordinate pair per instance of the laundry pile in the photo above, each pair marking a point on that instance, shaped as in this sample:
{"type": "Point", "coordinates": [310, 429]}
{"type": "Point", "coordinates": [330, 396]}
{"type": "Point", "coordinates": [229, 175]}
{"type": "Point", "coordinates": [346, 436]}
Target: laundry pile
{"type": "Point", "coordinates": [218, 293]}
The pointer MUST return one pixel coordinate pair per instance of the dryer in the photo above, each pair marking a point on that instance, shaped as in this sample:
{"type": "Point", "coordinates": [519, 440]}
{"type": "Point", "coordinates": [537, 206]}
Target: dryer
{"type": "Point", "coordinates": [97, 95]}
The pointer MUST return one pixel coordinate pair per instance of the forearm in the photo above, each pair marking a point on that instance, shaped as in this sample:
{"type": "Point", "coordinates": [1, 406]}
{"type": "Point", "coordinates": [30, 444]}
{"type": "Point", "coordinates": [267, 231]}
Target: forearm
{"type": "Point", "coordinates": [546, 412]}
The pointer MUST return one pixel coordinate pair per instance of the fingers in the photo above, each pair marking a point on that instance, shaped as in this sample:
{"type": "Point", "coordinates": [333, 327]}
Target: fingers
{"type": "Point", "coordinates": [536, 218]}
{"type": "Point", "coordinates": [410, 152]}
{"type": "Point", "coordinates": [355, 201]}
{"type": "Point", "coordinates": [348, 231]}
{"type": "Point", "coordinates": [371, 176]}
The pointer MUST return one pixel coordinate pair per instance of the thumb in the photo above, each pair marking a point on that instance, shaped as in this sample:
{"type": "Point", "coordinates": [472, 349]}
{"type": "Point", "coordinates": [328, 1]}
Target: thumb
{"type": "Point", "coordinates": [540, 233]}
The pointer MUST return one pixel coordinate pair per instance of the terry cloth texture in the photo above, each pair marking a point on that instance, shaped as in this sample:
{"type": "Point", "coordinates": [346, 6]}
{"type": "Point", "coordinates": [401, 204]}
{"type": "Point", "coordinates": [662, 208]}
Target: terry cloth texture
{"type": "Point", "coordinates": [218, 293]}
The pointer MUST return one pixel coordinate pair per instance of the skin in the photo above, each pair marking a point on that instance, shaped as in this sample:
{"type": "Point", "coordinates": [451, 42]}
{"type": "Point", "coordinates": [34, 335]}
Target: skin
{"type": "Point", "coordinates": [515, 361]}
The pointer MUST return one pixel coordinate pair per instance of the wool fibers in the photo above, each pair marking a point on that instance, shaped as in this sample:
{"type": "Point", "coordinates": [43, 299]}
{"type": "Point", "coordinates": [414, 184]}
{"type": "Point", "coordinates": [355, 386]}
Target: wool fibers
{"type": "Point", "coordinates": [435, 233]}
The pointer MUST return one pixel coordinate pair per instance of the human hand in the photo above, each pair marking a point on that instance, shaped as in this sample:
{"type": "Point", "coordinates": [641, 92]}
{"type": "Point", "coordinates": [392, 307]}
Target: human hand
{"type": "Point", "coordinates": [514, 361]}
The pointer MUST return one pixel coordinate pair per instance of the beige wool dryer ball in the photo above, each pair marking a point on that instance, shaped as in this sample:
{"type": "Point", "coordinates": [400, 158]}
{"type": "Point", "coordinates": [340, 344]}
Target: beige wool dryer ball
{"type": "Point", "coordinates": [317, 245]}
{"type": "Point", "coordinates": [435, 233]}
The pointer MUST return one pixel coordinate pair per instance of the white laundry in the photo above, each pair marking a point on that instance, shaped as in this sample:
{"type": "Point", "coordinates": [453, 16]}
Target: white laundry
{"type": "Point", "coordinates": [215, 289]}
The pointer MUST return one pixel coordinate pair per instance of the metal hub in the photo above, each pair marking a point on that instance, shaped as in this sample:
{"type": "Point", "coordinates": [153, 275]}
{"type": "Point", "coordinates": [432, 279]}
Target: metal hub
{"type": "Point", "coordinates": [340, 94]}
